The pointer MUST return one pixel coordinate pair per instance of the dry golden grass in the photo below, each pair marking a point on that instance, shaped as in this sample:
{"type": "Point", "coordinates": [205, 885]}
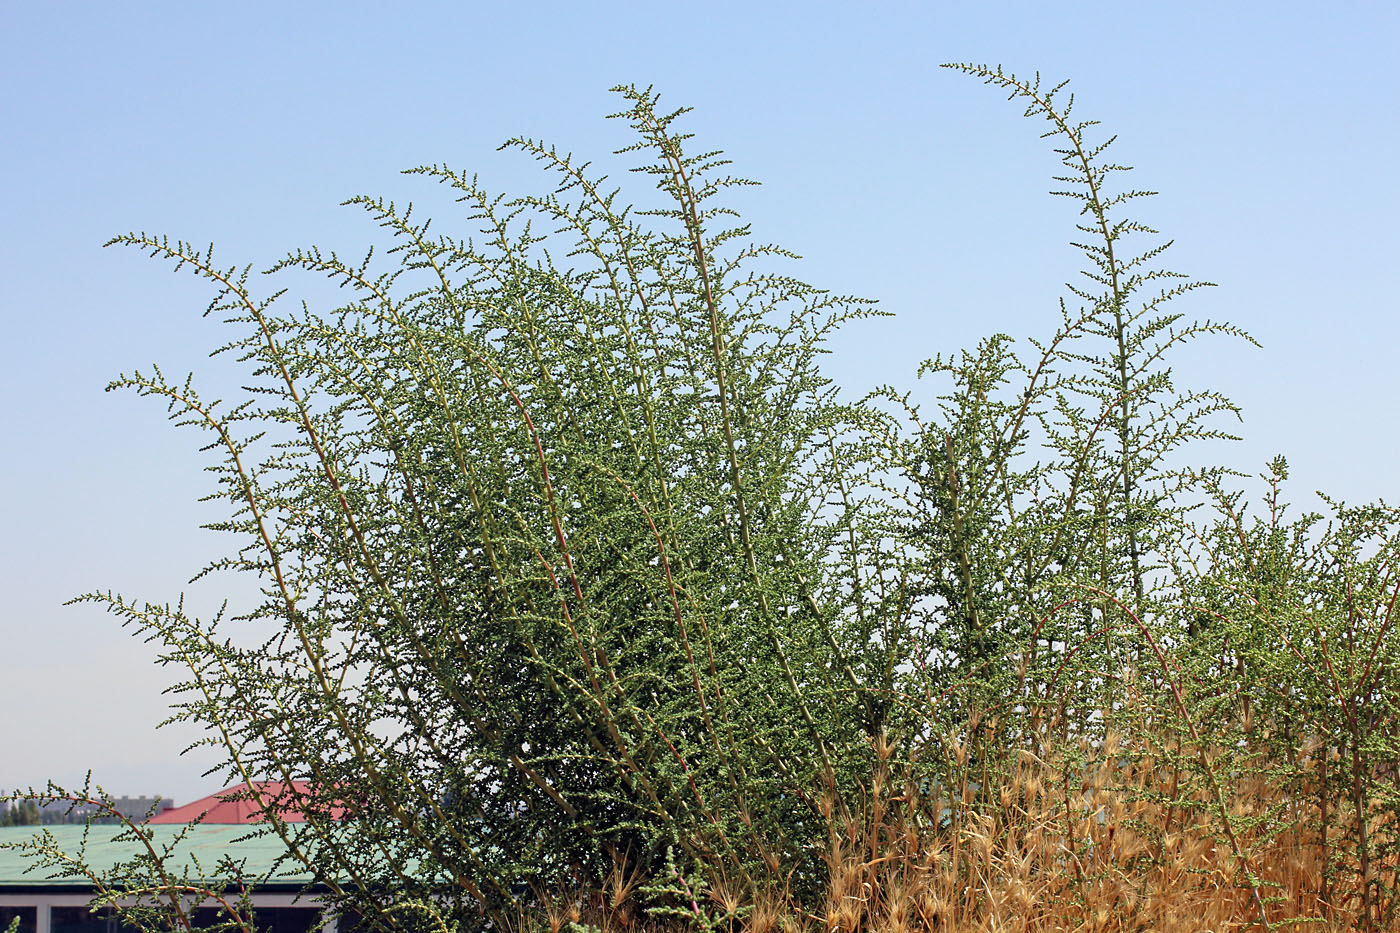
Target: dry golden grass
{"type": "Point", "coordinates": [1108, 837]}
{"type": "Point", "coordinates": [1119, 846]}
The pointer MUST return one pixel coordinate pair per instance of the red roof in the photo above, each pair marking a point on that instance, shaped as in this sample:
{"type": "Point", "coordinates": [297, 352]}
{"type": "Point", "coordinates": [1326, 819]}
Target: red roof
{"type": "Point", "coordinates": [239, 804]}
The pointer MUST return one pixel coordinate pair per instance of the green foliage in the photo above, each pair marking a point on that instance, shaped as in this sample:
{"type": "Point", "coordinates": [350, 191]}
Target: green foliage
{"type": "Point", "coordinates": [538, 544]}
{"type": "Point", "coordinates": [1047, 484]}
{"type": "Point", "coordinates": [1294, 636]}
{"type": "Point", "coordinates": [21, 813]}
{"type": "Point", "coordinates": [572, 562]}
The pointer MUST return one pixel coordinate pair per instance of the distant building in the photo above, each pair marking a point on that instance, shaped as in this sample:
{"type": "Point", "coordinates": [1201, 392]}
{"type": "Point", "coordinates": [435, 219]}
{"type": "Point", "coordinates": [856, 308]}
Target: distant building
{"type": "Point", "coordinates": [60, 812]}
{"type": "Point", "coordinates": [282, 904]}
{"type": "Point", "coordinates": [245, 804]}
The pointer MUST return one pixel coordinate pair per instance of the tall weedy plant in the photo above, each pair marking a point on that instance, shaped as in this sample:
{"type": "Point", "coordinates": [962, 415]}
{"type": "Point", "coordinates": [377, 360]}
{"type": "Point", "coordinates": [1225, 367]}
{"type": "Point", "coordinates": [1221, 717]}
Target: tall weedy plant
{"type": "Point", "coordinates": [1293, 624]}
{"type": "Point", "coordinates": [539, 544]}
{"type": "Point", "coordinates": [1040, 507]}
{"type": "Point", "coordinates": [582, 586]}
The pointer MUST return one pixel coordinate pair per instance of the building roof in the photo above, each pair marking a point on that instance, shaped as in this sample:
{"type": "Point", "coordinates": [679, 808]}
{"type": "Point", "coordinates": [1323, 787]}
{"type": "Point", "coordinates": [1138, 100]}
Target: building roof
{"type": "Point", "coordinates": [198, 852]}
{"type": "Point", "coordinates": [239, 805]}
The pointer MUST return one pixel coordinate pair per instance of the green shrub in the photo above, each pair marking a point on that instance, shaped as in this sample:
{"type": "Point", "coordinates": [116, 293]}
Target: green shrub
{"type": "Point", "coordinates": [574, 564]}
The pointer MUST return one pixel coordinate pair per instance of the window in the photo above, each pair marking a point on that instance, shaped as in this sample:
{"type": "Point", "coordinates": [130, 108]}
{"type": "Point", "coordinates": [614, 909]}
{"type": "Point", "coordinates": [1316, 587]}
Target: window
{"type": "Point", "coordinates": [265, 919]}
{"type": "Point", "coordinates": [28, 918]}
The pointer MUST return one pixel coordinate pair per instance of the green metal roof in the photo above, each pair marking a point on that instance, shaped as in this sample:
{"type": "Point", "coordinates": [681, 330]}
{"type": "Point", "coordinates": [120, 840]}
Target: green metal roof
{"type": "Point", "coordinates": [198, 852]}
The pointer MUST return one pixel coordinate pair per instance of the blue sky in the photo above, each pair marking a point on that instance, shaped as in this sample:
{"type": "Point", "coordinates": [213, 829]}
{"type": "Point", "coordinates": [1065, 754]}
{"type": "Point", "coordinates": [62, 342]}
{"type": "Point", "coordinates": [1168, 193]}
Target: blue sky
{"type": "Point", "coordinates": [1270, 130]}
